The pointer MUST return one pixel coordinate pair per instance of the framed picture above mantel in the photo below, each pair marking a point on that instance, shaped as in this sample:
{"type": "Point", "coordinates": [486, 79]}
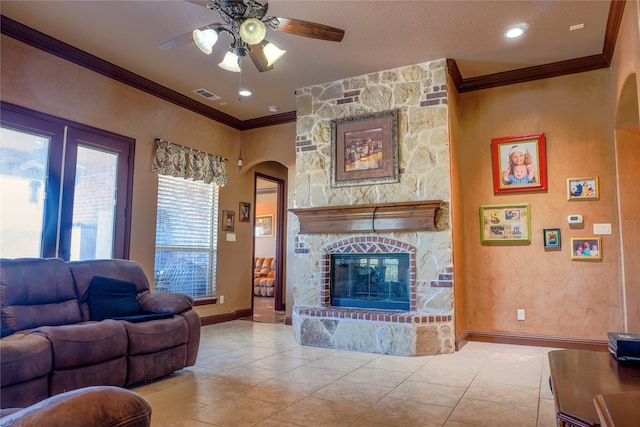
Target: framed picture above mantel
{"type": "Point", "coordinates": [364, 149]}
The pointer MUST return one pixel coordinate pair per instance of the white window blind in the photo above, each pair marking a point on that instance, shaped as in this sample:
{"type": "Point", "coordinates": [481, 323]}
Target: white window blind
{"type": "Point", "coordinates": [186, 237]}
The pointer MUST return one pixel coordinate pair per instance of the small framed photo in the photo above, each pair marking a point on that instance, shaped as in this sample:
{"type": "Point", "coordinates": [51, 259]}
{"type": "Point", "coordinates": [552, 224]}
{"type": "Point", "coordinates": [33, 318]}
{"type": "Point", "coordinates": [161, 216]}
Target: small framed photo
{"type": "Point", "coordinates": [586, 248]}
{"type": "Point", "coordinates": [264, 226]}
{"type": "Point", "coordinates": [245, 212]}
{"type": "Point", "coordinates": [505, 223]}
{"type": "Point", "coordinates": [364, 149]}
{"type": "Point", "coordinates": [583, 188]}
{"type": "Point", "coordinates": [519, 163]}
{"type": "Point", "coordinates": [228, 218]}
{"type": "Point", "coordinates": [551, 238]}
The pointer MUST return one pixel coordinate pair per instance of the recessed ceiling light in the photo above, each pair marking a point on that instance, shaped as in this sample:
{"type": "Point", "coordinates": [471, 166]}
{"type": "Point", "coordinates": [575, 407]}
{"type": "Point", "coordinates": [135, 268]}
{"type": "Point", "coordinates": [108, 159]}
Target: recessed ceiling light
{"type": "Point", "coordinates": [273, 109]}
{"type": "Point", "coordinates": [515, 31]}
{"type": "Point", "coordinates": [576, 27]}
{"type": "Point", "coordinates": [244, 92]}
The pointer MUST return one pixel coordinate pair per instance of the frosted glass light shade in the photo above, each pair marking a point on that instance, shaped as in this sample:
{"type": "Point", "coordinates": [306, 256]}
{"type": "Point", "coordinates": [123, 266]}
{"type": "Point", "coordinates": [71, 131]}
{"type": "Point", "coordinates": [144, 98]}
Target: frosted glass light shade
{"type": "Point", "coordinates": [205, 39]}
{"type": "Point", "coordinates": [231, 62]}
{"type": "Point", "coordinates": [272, 53]}
{"type": "Point", "coordinates": [252, 31]}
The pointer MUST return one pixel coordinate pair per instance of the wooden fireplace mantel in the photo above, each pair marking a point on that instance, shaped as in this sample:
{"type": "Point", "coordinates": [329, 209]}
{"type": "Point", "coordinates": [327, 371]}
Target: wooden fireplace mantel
{"type": "Point", "coordinates": [378, 217]}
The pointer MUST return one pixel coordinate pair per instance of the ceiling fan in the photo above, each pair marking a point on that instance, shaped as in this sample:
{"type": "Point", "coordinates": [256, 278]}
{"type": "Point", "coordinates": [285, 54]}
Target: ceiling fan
{"type": "Point", "coordinates": [245, 21]}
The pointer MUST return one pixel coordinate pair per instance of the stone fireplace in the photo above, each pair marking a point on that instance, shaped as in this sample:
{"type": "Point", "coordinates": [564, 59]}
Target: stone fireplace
{"type": "Point", "coordinates": [388, 246]}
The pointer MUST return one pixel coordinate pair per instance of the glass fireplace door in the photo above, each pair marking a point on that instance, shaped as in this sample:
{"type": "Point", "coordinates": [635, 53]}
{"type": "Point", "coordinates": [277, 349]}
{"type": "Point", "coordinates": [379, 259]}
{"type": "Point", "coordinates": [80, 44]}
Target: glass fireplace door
{"type": "Point", "coordinates": [377, 281]}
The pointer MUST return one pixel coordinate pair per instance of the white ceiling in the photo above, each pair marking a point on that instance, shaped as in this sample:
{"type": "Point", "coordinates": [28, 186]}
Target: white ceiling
{"type": "Point", "coordinates": [379, 35]}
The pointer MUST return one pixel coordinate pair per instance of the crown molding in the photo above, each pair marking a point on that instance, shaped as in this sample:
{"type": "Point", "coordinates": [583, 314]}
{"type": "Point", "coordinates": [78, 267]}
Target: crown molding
{"type": "Point", "coordinates": [545, 71]}
{"type": "Point", "coordinates": [63, 50]}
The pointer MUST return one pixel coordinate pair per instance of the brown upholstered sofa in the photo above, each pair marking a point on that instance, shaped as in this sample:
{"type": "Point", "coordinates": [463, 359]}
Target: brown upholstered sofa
{"type": "Point", "coordinates": [55, 344]}
{"type": "Point", "coordinates": [264, 276]}
{"type": "Point", "coordinates": [97, 406]}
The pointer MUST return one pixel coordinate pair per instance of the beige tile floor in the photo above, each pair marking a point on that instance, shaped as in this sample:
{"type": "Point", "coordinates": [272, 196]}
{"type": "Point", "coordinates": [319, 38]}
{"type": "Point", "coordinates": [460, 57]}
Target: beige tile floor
{"type": "Point", "coordinates": [254, 374]}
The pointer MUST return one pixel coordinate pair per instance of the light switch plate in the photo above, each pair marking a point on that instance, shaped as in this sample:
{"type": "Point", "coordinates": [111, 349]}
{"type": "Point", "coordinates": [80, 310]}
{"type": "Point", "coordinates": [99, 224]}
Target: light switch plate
{"type": "Point", "coordinates": [601, 228]}
{"type": "Point", "coordinates": [231, 237]}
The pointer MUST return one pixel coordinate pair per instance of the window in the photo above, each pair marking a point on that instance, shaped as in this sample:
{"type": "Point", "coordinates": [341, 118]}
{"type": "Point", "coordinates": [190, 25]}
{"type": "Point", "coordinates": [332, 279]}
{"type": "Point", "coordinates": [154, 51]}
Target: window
{"type": "Point", "coordinates": [65, 188]}
{"type": "Point", "coordinates": [186, 237]}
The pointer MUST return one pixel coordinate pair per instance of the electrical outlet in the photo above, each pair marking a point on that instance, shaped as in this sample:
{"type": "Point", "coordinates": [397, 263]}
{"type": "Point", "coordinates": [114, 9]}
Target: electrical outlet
{"type": "Point", "coordinates": [520, 313]}
{"type": "Point", "coordinates": [221, 299]}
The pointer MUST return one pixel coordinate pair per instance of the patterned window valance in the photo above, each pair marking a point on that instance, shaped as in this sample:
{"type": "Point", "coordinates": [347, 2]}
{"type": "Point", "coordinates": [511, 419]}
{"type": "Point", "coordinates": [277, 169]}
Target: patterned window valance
{"type": "Point", "coordinates": [184, 162]}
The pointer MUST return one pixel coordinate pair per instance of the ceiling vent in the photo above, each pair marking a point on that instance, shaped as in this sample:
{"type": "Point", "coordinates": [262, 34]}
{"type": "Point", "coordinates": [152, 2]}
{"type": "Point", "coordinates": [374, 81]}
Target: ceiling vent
{"type": "Point", "coordinates": [209, 95]}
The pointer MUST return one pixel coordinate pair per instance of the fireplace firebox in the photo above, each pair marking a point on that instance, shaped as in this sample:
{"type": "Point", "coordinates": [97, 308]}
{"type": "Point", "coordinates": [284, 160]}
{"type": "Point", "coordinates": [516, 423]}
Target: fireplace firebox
{"type": "Point", "coordinates": [373, 281]}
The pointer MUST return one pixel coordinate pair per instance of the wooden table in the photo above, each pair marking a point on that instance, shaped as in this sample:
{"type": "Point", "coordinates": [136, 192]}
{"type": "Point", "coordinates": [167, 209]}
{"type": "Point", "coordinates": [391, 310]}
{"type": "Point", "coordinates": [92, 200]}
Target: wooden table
{"type": "Point", "coordinates": [618, 409]}
{"type": "Point", "coordinates": [578, 376]}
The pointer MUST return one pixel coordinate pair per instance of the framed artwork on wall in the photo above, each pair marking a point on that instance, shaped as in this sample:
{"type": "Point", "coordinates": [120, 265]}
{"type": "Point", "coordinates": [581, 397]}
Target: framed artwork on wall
{"type": "Point", "coordinates": [505, 223]}
{"type": "Point", "coordinates": [583, 189]}
{"type": "Point", "coordinates": [552, 238]}
{"type": "Point", "coordinates": [264, 225]}
{"type": "Point", "coordinates": [245, 212]}
{"type": "Point", "coordinates": [586, 248]}
{"type": "Point", "coordinates": [228, 218]}
{"type": "Point", "coordinates": [364, 149]}
{"type": "Point", "coordinates": [519, 163]}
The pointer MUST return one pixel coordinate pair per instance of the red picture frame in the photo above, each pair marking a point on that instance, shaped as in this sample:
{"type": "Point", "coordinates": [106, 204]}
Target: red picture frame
{"type": "Point", "coordinates": [519, 163]}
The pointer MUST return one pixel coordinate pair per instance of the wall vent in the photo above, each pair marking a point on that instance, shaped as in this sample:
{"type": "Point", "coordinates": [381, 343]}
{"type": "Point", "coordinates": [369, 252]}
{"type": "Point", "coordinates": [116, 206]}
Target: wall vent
{"type": "Point", "coordinates": [209, 95]}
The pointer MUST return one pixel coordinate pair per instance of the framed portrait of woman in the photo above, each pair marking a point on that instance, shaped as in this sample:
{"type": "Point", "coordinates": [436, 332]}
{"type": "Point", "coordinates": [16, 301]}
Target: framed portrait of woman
{"type": "Point", "coordinates": [519, 163]}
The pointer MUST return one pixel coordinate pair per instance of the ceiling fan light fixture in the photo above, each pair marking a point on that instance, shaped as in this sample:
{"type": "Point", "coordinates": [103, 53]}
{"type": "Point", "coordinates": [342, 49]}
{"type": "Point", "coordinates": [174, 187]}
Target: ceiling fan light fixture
{"type": "Point", "coordinates": [231, 62]}
{"type": "Point", "coordinates": [205, 39]}
{"type": "Point", "coordinates": [272, 53]}
{"type": "Point", "coordinates": [252, 31]}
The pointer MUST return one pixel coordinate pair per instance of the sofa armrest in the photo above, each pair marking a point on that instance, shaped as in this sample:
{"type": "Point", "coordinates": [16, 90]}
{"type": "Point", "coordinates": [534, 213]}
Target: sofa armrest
{"type": "Point", "coordinates": [90, 406]}
{"type": "Point", "coordinates": [165, 302]}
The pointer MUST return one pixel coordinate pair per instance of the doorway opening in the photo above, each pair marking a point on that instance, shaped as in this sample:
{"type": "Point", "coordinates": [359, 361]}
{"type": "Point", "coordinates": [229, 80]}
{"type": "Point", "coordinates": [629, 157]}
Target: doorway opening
{"type": "Point", "coordinates": [268, 250]}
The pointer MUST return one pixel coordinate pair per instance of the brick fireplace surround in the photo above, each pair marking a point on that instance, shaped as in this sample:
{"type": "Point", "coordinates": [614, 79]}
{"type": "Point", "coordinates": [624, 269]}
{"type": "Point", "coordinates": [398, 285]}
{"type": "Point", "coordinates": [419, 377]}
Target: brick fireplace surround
{"type": "Point", "coordinates": [409, 333]}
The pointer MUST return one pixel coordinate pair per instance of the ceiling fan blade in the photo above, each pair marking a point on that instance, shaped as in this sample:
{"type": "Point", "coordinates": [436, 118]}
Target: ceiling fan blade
{"type": "Point", "coordinates": [259, 60]}
{"type": "Point", "coordinates": [185, 38]}
{"type": "Point", "coordinates": [310, 29]}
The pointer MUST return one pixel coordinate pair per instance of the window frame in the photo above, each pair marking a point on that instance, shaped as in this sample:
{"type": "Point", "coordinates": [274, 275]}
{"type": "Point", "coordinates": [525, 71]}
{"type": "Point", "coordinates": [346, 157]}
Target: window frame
{"type": "Point", "coordinates": [60, 180]}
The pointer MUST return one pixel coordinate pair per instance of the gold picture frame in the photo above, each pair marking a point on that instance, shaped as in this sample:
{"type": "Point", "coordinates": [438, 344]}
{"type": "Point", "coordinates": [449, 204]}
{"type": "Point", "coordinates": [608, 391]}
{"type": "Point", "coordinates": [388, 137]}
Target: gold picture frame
{"type": "Point", "coordinates": [264, 226]}
{"type": "Point", "coordinates": [505, 223]}
{"type": "Point", "coordinates": [228, 218]}
{"type": "Point", "coordinates": [244, 212]}
{"type": "Point", "coordinates": [583, 188]}
{"type": "Point", "coordinates": [586, 248]}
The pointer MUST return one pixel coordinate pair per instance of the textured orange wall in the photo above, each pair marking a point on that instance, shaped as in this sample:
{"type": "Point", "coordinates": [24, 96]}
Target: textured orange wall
{"type": "Point", "coordinates": [34, 79]}
{"type": "Point", "coordinates": [562, 298]}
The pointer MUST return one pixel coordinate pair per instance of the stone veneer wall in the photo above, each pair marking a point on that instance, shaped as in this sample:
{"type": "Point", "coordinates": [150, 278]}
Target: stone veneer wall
{"type": "Point", "coordinates": [419, 93]}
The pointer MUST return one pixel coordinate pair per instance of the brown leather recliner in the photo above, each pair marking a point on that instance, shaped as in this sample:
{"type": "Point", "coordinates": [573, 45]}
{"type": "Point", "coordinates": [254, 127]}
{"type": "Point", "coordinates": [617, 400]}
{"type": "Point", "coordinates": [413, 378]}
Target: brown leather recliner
{"type": "Point", "coordinates": [264, 276]}
{"type": "Point", "coordinates": [85, 407]}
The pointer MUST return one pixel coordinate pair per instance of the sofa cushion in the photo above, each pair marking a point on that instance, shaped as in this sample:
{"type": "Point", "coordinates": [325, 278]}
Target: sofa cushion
{"type": "Point", "coordinates": [24, 357]}
{"type": "Point", "coordinates": [36, 292]}
{"type": "Point", "coordinates": [85, 343]}
{"type": "Point", "coordinates": [149, 337]}
{"type": "Point", "coordinates": [111, 298]}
